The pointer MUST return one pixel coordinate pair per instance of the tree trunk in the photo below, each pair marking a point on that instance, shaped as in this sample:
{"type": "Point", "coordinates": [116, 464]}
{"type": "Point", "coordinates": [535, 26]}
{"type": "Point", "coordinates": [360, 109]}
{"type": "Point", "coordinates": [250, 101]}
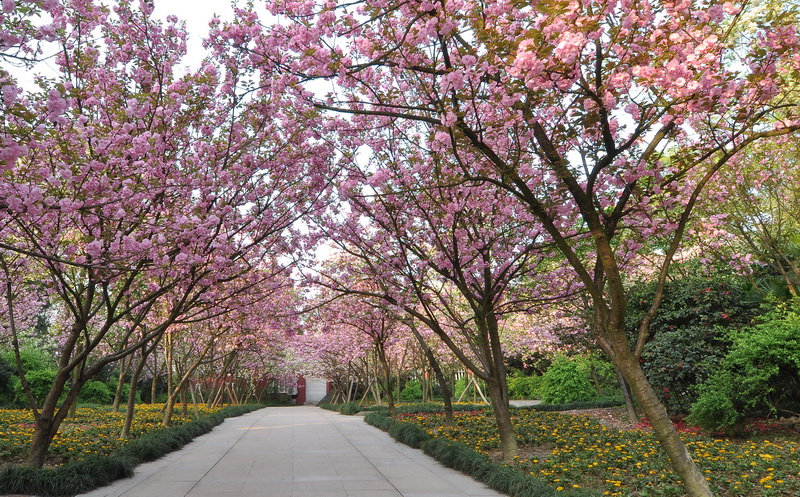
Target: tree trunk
{"type": "Point", "coordinates": [502, 414]}
{"type": "Point", "coordinates": [180, 388]}
{"type": "Point", "coordinates": [626, 393]}
{"type": "Point", "coordinates": [76, 378]}
{"type": "Point", "coordinates": [215, 391]}
{"type": "Point", "coordinates": [693, 479]}
{"type": "Point", "coordinates": [447, 394]}
{"type": "Point", "coordinates": [184, 401]}
{"type": "Point", "coordinates": [168, 364]}
{"type": "Point", "coordinates": [51, 416]}
{"type": "Point", "coordinates": [126, 426]}
{"type": "Point", "coordinates": [168, 408]}
{"type": "Point", "coordinates": [387, 376]}
{"type": "Point", "coordinates": [155, 377]}
{"type": "Point", "coordinates": [124, 366]}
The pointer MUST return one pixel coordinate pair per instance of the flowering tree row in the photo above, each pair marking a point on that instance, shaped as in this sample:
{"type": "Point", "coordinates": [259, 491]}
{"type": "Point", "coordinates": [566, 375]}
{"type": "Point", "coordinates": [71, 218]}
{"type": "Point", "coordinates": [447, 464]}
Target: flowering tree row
{"type": "Point", "coordinates": [477, 160]}
{"type": "Point", "coordinates": [140, 197]}
{"type": "Point", "coordinates": [603, 122]}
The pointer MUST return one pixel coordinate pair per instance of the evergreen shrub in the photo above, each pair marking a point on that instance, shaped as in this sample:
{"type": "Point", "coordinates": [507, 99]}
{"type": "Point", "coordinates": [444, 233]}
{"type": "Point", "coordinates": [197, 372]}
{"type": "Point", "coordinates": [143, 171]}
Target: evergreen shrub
{"type": "Point", "coordinates": [95, 392]}
{"type": "Point", "coordinates": [759, 375]}
{"type": "Point", "coordinates": [567, 380]}
{"type": "Point", "coordinates": [412, 391]}
{"type": "Point", "coordinates": [524, 387]}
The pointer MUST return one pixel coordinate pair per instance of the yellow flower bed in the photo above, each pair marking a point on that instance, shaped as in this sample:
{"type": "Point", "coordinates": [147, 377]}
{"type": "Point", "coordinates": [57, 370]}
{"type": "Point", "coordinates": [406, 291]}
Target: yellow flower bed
{"type": "Point", "coordinates": [90, 431]}
{"type": "Point", "coordinates": [575, 451]}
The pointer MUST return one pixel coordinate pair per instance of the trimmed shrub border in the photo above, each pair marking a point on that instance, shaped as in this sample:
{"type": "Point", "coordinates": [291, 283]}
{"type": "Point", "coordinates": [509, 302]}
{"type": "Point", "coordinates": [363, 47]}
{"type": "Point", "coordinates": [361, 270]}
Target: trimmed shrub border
{"type": "Point", "coordinates": [351, 408]}
{"type": "Point", "coordinates": [581, 404]}
{"type": "Point", "coordinates": [97, 471]}
{"type": "Point", "coordinates": [500, 477]}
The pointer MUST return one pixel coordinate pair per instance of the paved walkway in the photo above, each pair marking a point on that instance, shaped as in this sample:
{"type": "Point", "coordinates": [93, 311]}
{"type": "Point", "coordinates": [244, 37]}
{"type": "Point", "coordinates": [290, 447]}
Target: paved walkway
{"type": "Point", "coordinates": [298, 451]}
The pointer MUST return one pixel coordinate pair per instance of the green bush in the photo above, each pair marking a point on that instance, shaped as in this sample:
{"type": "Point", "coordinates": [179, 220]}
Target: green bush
{"type": "Point", "coordinates": [95, 392]}
{"type": "Point", "coordinates": [40, 381]}
{"type": "Point", "coordinates": [429, 407]}
{"type": "Point", "coordinates": [7, 374]}
{"type": "Point", "coordinates": [603, 376]}
{"type": "Point", "coordinates": [714, 408]}
{"type": "Point", "coordinates": [40, 373]}
{"type": "Point", "coordinates": [693, 301]}
{"type": "Point", "coordinates": [688, 332]}
{"type": "Point", "coordinates": [567, 380]}
{"type": "Point", "coordinates": [126, 388]}
{"type": "Point", "coordinates": [459, 387]}
{"type": "Point", "coordinates": [33, 359]}
{"type": "Point", "coordinates": [380, 420]}
{"type": "Point", "coordinates": [675, 362]}
{"type": "Point", "coordinates": [409, 434]}
{"type": "Point", "coordinates": [760, 374]}
{"type": "Point", "coordinates": [597, 402]}
{"type": "Point", "coordinates": [524, 387]}
{"type": "Point", "coordinates": [412, 391]}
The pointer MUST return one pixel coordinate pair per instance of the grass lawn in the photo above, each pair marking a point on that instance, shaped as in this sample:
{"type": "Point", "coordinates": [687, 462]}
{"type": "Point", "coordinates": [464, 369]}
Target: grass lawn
{"type": "Point", "coordinates": [577, 451]}
{"type": "Point", "coordinates": [93, 430]}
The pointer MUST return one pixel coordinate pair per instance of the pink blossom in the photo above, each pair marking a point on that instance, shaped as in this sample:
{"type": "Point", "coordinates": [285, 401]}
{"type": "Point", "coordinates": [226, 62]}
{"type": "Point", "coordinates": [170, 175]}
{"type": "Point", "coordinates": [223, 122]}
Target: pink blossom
{"type": "Point", "coordinates": [56, 105]}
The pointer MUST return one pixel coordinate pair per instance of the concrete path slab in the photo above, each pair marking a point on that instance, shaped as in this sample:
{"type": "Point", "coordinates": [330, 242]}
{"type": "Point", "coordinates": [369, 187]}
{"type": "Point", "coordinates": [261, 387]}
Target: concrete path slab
{"type": "Point", "coordinates": [300, 451]}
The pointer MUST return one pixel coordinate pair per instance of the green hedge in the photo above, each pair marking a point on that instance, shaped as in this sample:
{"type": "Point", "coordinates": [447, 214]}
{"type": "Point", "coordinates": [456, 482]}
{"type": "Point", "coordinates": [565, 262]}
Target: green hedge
{"type": "Point", "coordinates": [580, 404]}
{"type": "Point", "coordinates": [500, 477]}
{"type": "Point", "coordinates": [351, 408]}
{"type": "Point", "coordinates": [96, 471]}
{"type": "Point", "coordinates": [438, 407]}
{"type": "Point", "coordinates": [348, 408]}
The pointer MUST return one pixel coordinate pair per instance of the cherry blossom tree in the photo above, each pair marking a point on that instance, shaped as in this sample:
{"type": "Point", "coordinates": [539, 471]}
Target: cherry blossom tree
{"type": "Point", "coordinates": [375, 326]}
{"type": "Point", "coordinates": [132, 189]}
{"type": "Point", "coordinates": [606, 119]}
{"type": "Point", "coordinates": [333, 349]}
{"type": "Point", "coordinates": [753, 225]}
{"type": "Point", "coordinates": [453, 258]}
{"type": "Point", "coordinates": [251, 331]}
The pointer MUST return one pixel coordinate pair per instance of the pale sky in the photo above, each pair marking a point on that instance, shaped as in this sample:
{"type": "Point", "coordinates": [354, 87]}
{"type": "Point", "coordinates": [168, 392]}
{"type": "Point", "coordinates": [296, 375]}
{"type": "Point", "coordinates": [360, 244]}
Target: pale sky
{"type": "Point", "coordinates": [197, 13]}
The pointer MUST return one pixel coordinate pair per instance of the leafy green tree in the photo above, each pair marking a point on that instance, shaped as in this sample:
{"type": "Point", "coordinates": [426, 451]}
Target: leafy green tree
{"type": "Point", "coordinates": [524, 387]}
{"type": "Point", "coordinates": [7, 373]}
{"type": "Point", "coordinates": [412, 391]}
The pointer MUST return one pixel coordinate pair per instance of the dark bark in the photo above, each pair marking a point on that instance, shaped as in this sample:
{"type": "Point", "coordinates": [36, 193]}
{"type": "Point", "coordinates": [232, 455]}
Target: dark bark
{"type": "Point", "coordinates": [129, 413]}
{"type": "Point", "coordinates": [124, 366]}
{"type": "Point", "coordinates": [387, 377]}
{"type": "Point", "coordinates": [626, 393]}
{"type": "Point", "coordinates": [447, 395]}
{"type": "Point", "coordinates": [502, 414]}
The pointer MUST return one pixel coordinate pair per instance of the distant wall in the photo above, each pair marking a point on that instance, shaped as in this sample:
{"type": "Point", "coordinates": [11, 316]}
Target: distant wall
{"type": "Point", "coordinates": [316, 388]}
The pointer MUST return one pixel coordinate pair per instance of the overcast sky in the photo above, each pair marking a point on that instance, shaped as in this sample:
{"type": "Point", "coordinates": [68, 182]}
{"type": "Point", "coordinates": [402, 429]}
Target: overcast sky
{"type": "Point", "coordinates": [197, 13]}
